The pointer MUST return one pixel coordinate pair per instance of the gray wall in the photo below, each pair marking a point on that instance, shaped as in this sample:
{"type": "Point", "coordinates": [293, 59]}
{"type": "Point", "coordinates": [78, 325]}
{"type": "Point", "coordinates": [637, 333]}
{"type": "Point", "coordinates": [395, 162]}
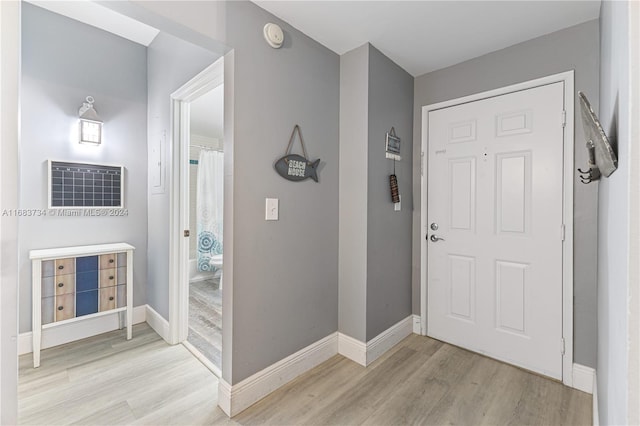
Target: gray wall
{"type": "Point", "coordinates": [375, 241]}
{"type": "Point", "coordinates": [353, 194]}
{"type": "Point", "coordinates": [390, 103]}
{"type": "Point", "coordinates": [63, 61]}
{"type": "Point", "coordinates": [285, 273]}
{"type": "Point", "coordinates": [171, 62]}
{"type": "Point", "coordinates": [613, 207]}
{"type": "Point", "coordinates": [574, 48]}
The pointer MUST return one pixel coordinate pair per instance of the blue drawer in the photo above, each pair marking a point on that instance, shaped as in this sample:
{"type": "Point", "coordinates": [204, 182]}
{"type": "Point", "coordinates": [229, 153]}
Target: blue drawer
{"type": "Point", "coordinates": [86, 281]}
{"type": "Point", "coordinates": [86, 263]}
{"type": "Point", "coordinates": [86, 303]}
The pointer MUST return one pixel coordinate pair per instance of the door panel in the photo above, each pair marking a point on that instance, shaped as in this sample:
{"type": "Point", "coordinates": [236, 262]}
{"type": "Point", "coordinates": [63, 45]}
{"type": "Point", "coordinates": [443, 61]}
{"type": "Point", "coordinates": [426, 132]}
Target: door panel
{"type": "Point", "coordinates": [495, 193]}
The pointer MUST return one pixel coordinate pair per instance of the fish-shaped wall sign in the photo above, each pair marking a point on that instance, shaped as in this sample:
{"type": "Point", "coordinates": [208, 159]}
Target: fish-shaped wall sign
{"type": "Point", "coordinates": [295, 167]}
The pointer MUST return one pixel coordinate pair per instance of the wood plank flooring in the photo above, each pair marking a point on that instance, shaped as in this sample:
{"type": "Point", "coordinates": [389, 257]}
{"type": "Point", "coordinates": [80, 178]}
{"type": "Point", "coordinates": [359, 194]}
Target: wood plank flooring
{"type": "Point", "coordinates": [205, 319]}
{"type": "Point", "coordinates": [108, 380]}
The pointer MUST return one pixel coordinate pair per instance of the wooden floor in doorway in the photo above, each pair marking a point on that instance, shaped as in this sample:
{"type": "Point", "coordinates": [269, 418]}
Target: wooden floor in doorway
{"type": "Point", "coordinates": [106, 380]}
{"type": "Point", "coordinates": [205, 319]}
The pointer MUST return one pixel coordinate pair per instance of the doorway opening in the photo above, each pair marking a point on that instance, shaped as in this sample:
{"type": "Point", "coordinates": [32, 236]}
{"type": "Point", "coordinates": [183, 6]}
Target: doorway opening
{"type": "Point", "coordinates": [197, 200]}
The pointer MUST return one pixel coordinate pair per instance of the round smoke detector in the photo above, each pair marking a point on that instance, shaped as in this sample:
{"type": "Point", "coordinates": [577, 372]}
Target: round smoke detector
{"type": "Point", "coordinates": [273, 34]}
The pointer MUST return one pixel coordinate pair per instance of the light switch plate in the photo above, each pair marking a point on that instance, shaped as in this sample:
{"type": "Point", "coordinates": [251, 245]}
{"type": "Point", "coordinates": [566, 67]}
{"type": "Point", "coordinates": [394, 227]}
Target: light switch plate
{"type": "Point", "coordinates": [271, 209]}
{"type": "Point", "coordinates": [397, 206]}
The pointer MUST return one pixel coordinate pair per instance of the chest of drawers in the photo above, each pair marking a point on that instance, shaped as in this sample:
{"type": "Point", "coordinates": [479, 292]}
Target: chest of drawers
{"type": "Point", "coordinates": [75, 283]}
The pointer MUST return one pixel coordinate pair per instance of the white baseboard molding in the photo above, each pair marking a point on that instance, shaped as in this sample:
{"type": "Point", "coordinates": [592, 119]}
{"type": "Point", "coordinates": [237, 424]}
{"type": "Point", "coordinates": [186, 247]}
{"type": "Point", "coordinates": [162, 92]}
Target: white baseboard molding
{"type": "Point", "coordinates": [596, 412]}
{"type": "Point", "coordinates": [158, 323]}
{"type": "Point", "coordinates": [384, 341]}
{"type": "Point", "coordinates": [73, 331]}
{"type": "Point", "coordinates": [416, 325]}
{"type": "Point", "coordinates": [353, 349]}
{"type": "Point", "coordinates": [233, 399]}
{"type": "Point", "coordinates": [365, 353]}
{"type": "Point", "coordinates": [583, 378]}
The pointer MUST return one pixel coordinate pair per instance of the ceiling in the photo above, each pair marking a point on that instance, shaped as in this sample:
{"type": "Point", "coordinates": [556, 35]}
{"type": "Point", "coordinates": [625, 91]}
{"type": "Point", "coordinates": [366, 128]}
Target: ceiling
{"type": "Point", "coordinates": [101, 17]}
{"type": "Point", "coordinates": [423, 36]}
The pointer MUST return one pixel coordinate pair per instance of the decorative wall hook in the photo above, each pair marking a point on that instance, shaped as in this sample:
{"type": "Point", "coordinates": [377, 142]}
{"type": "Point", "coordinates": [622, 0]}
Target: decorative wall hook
{"type": "Point", "coordinates": [602, 159]}
{"type": "Point", "coordinates": [593, 172]}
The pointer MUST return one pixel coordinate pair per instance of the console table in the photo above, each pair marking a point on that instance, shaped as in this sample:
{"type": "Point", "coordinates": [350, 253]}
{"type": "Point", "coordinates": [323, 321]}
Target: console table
{"type": "Point", "coordinates": [72, 284]}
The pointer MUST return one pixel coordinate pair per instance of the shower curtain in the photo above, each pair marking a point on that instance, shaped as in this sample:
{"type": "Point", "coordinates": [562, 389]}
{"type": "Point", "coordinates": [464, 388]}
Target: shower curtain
{"type": "Point", "coordinates": [209, 207]}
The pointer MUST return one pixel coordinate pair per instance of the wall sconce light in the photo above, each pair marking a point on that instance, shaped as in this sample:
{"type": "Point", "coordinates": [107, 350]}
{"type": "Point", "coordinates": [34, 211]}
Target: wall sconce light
{"type": "Point", "coordinates": [90, 123]}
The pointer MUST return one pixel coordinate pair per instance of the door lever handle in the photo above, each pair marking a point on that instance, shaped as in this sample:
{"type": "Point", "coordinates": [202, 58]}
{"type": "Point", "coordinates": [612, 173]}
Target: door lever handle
{"type": "Point", "coordinates": [435, 238]}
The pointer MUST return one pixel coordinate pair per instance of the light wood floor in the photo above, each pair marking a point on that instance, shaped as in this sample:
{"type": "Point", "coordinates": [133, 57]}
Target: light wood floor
{"type": "Point", "coordinates": [107, 380]}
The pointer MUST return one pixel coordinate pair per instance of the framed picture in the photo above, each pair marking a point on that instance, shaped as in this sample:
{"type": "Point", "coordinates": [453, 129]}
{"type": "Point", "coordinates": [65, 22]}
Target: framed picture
{"type": "Point", "coordinates": [393, 147]}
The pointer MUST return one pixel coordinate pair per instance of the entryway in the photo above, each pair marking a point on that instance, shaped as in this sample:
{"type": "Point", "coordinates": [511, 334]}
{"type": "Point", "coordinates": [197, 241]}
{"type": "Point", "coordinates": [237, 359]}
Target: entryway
{"type": "Point", "coordinates": [495, 223]}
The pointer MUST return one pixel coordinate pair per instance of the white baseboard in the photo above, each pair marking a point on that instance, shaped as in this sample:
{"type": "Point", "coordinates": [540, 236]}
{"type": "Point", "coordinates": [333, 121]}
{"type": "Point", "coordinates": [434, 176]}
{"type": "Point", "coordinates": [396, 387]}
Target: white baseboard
{"type": "Point", "coordinates": [224, 397]}
{"type": "Point", "coordinates": [353, 349]}
{"type": "Point", "coordinates": [416, 325]}
{"type": "Point", "coordinates": [596, 412]}
{"type": "Point", "coordinates": [158, 323]}
{"type": "Point", "coordinates": [73, 331]}
{"type": "Point", "coordinates": [388, 339]}
{"type": "Point", "coordinates": [235, 398]}
{"type": "Point", "coordinates": [583, 378]}
{"type": "Point", "coordinates": [365, 353]}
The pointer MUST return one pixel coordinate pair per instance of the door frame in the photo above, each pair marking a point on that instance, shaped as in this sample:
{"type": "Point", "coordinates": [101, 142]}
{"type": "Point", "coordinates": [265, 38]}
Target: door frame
{"type": "Point", "coordinates": [208, 79]}
{"type": "Point", "coordinates": [567, 208]}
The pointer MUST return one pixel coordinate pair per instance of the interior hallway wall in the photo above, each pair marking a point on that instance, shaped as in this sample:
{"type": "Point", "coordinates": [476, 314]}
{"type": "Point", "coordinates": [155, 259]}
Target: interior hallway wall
{"type": "Point", "coordinates": [575, 48]}
{"type": "Point", "coordinates": [171, 63]}
{"type": "Point", "coordinates": [285, 272]}
{"type": "Point", "coordinates": [9, 175]}
{"type": "Point", "coordinates": [56, 79]}
{"type": "Point", "coordinates": [388, 231]}
{"type": "Point", "coordinates": [613, 224]}
{"type": "Point", "coordinates": [375, 240]}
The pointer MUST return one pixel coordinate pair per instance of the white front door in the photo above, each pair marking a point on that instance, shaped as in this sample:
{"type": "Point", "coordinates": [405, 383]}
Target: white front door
{"type": "Point", "coordinates": [495, 170]}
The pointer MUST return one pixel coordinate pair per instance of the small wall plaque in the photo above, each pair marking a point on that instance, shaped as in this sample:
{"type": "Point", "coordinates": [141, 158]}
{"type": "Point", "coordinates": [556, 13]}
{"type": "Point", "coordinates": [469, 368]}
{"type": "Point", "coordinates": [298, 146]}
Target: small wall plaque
{"type": "Point", "coordinates": [295, 167]}
{"type": "Point", "coordinates": [393, 145]}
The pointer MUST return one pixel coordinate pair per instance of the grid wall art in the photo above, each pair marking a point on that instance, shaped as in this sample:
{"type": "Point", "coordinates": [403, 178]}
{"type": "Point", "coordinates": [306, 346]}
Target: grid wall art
{"type": "Point", "coordinates": [85, 185]}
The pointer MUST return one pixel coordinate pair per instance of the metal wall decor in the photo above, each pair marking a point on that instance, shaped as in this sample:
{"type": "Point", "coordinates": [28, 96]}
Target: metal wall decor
{"type": "Point", "coordinates": [602, 159]}
{"type": "Point", "coordinates": [392, 147]}
{"type": "Point", "coordinates": [294, 167]}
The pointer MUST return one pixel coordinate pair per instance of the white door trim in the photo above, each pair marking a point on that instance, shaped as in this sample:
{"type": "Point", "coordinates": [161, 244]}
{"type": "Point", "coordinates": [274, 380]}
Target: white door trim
{"type": "Point", "coordinates": [567, 209]}
{"type": "Point", "coordinates": [210, 78]}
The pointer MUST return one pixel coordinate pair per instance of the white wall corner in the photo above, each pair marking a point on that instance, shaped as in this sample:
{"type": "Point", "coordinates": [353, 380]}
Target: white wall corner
{"type": "Point", "coordinates": [384, 341]}
{"type": "Point", "coordinates": [73, 331]}
{"type": "Point", "coordinates": [583, 378]}
{"type": "Point", "coordinates": [353, 349]}
{"type": "Point", "coordinates": [236, 398]}
{"type": "Point", "coordinates": [157, 322]}
{"type": "Point", "coordinates": [417, 329]}
{"type": "Point", "coordinates": [596, 413]}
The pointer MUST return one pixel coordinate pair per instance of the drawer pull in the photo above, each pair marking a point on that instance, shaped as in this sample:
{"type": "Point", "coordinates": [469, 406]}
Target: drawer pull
{"type": "Point", "coordinates": [110, 277]}
{"type": "Point", "coordinates": [60, 284]}
{"type": "Point", "coordinates": [60, 308]}
{"type": "Point", "coordinates": [61, 267]}
{"type": "Point", "coordinates": [110, 297]}
{"type": "Point", "coordinates": [111, 260]}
